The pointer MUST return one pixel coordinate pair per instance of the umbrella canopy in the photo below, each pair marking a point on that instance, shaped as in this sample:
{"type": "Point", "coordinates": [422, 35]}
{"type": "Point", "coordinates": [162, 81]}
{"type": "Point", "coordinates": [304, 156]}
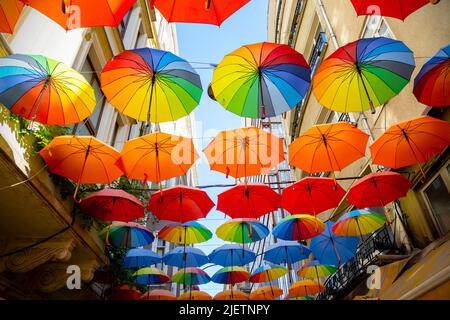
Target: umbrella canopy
{"type": "Point", "coordinates": [151, 85]}
{"type": "Point", "coordinates": [185, 257]}
{"type": "Point", "coordinates": [186, 233]}
{"type": "Point", "coordinates": [298, 227]}
{"type": "Point", "coordinates": [328, 147]}
{"type": "Point", "coordinates": [149, 276]}
{"type": "Point", "coordinates": [286, 252]}
{"type": "Point", "coordinates": [229, 255]}
{"type": "Point", "coordinates": [378, 189]}
{"type": "Point", "coordinates": [180, 204]}
{"type": "Point", "coordinates": [9, 14]}
{"type": "Point", "coordinates": [266, 293]}
{"type": "Point", "coordinates": [231, 295]}
{"type": "Point", "coordinates": [432, 83]}
{"type": "Point", "coordinates": [329, 248]}
{"type": "Point", "coordinates": [314, 269]}
{"type": "Point", "coordinates": [358, 223]}
{"type": "Point", "coordinates": [267, 273]}
{"type": "Point", "coordinates": [261, 80]}
{"type": "Point", "coordinates": [195, 11]}
{"type": "Point", "coordinates": [157, 156]}
{"type": "Point", "coordinates": [363, 74]}
{"type": "Point", "coordinates": [44, 90]}
{"type": "Point", "coordinates": [112, 205]}
{"type": "Point", "coordinates": [191, 276]}
{"type": "Point", "coordinates": [129, 235]}
{"type": "Point", "coordinates": [305, 288]}
{"type": "Point", "coordinates": [195, 295]}
{"type": "Point", "coordinates": [411, 142]}
{"type": "Point", "coordinates": [139, 258]}
{"type": "Point", "coordinates": [231, 275]}
{"type": "Point", "coordinates": [242, 231]}
{"type": "Point", "coordinates": [159, 294]}
{"type": "Point", "coordinates": [123, 292]}
{"type": "Point", "coordinates": [248, 201]}
{"type": "Point", "coordinates": [299, 298]}
{"type": "Point", "coordinates": [244, 152]}
{"type": "Point", "coordinates": [312, 195]}
{"type": "Point", "coordinates": [82, 14]}
{"type": "Point", "coordinates": [399, 9]}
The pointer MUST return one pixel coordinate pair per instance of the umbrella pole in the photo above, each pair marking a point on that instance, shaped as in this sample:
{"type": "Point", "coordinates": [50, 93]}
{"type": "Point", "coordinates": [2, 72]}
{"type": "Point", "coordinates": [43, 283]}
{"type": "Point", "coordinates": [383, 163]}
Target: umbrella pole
{"type": "Point", "coordinates": [317, 274]}
{"type": "Point", "coordinates": [184, 258]}
{"type": "Point", "coordinates": [289, 265]}
{"type": "Point", "coordinates": [372, 108]}
{"type": "Point", "coordinates": [336, 251]}
{"type": "Point", "coordinates": [207, 4]}
{"type": "Point", "coordinates": [151, 98]}
{"type": "Point", "coordinates": [359, 229]}
{"type": "Point", "coordinates": [381, 201]}
{"type": "Point", "coordinates": [242, 240]}
{"type": "Point", "coordinates": [41, 95]}
{"type": "Point", "coordinates": [81, 174]}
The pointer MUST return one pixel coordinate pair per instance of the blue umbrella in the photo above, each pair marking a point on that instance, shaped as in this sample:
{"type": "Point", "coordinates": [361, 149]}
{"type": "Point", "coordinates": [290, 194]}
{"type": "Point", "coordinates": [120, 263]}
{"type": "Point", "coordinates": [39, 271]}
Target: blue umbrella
{"type": "Point", "coordinates": [329, 248]}
{"type": "Point", "coordinates": [231, 255]}
{"type": "Point", "coordinates": [182, 258]}
{"type": "Point", "coordinates": [286, 252]}
{"type": "Point", "coordinates": [138, 258]}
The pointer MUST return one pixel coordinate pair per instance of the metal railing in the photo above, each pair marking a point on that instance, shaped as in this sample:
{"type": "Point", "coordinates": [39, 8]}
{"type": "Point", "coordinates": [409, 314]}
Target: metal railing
{"type": "Point", "coordinates": [366, 254]}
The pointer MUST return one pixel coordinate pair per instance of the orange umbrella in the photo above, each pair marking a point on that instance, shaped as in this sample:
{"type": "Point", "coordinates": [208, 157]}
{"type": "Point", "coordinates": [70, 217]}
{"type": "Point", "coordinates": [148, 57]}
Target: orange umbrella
{"type": "Point", "coordinates": [82, 159]}
{"type": "Point", "coordinates": [266, 293]}
{"type": "Point", "coordinates": [158, 294]}
{"type": "Point", "coordinates": [244, 152]}
{"type": "Point", "coordinates": [328, 147]}
{"type": "Point", "coordinates": [9, 14]}
{"type": "Point", "coordinates": [231, 295]}
{"type": "Point", "coordinates": [195, 295]}
{"type": "Point", "coordinates": [305, 288]}
{"type": "Point", "coordinates": [411, 142]}
{"type": "Point", "coordinates": [157, 156]}
{"type": "Point", "coordinates": [123, 292]}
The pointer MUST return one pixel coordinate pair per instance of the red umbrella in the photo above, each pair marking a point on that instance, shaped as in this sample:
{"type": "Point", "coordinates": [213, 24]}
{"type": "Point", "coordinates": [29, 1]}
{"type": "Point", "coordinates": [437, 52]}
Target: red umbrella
{"type": "Point", "coordinates": [180, 204]}
{"type": "Point", "coordinates": [198, 11]}
{"type": "Point", "coordinates": [312, 196]}
{"type": "Point", "coordinates": [112, 205]}
{"type": "Point", "coordinates": [248, 201]}
{"type": "Point", "coordinates": [378, 189]}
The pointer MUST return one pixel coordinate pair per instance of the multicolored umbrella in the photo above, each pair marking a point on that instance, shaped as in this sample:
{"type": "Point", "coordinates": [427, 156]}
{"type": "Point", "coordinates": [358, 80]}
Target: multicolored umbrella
{"type": "Point", "coordinates": [231, 295]}
{"type": "Point", "coordinates": [185, 257]}
{"type": "Point", "coordinates": [44, 90]}
{"type": "Point", "coordinates": [229, 255]}
{"type": "Point", "coordinates": [149, 276]}
{"type": "Point", "coordinates": [242, 231]}
{"type": "Point", "coordinates": [157, 156]}
{"type": "Point", "coordinates": [129, 235]}
{"type": "Point", "coordinates": [315, 269]}
{"type": "Point", "coordinates": [329, 248]}
{"type": "Point", "coordinates": [151, 85]}
{"type": "Point", "coordinates": [231, 275]}
{"type": "Point", "coordinates": [112, 205]}
{"type": "Point", "coordinates": [411, 142]}
{"type": "Point", "coordinates": [399, 9]}
{"type": "Point", "coordinates": [195, 295]}
{"type": "Point", "coordinates": [358, 223]}
{"type": "Point", "coordinates": [191, 276]}
{"type": "Point", "coordinates": [82, 159]}
{"type": "Point", "coordinates": [180, 204]}
{"type": "Point", "coordinates": [9, 14]}
{"type": "Point", "coordinates": [261, 80]}
{"type": "Point", "coordinates": [248, 201]}
{"type": "Point", "coordinates": [82, 14]}
{"type": "Point", "coordinates": [298, 227]}
{"type": "Point", "coordinates": [288, 252]}
{"type": "Point", "coordinates": [159, 294]}
{"type": "Point", "coordinates": [328, 147]}
{"type": "Point", "coordinates": [432, 83]}
{"type": "Point", "coordinates": [244, 152]}
{"type": "Point", "coordinates": [299, 298]}
{"type": "Point", "coordinates": [266, 293]}
{"type": "Point", "coordinates": [186, 233]}
{"type": "Point", "coordinates": [196, 11]}
{"type": "Point", "coordinates": [363, 74]}
{"type": "Point", "coordinates": [139, 258]}
{"type": "Point", "coordinates": [312, 195]}
{"type": "Point", "coordinates": [305, 288]}
{"type": "Point", "coordinates": [268, 272]}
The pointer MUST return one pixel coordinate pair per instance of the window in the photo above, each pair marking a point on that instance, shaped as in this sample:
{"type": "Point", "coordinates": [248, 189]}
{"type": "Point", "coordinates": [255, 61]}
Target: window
{"type": "Point", "coordinates": [437, 199]}
{"type": "Point", "coordinates": [319, 45]}
{"type": "Point", "coordinates": [122, 27]}
{"type": "Point", "coordinates": [377, 27]}
{"type": "Point", "coordinates": [296, 23]}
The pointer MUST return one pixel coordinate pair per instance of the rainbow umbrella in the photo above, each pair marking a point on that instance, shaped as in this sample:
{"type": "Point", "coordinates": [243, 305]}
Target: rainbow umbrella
{"type": "Point", "coordinates": [138, 258]}
{"type": "Point", "coordinates": [129, 235]}
{"type": "Point", "coordinates": [363, 74]}
{"type": "Point", "coordinates": [191, 276]}
{"type": "Point", "coordinates": [149, 276]}
{"type": "Point", "coordinates": [186, 233]}
{"type": "Point", "coordinates": [314, 269]}
{"type": "Point", "coordinates": [229, 255]}
{"type": "Point", "coordinates": [261, 80]}
{"type": "Point", "coordinates": [432, 84]}
{"type": "Point", "coordinates": [299, 298]}
{"type": "Point", "coordinates": [266, 293]}
{"type": "Point", "coordinates": [151, 85]}
{"type": "Point", "coordinates": [298, 227]}
{"type": "Point", "coordinates": [267, 273]}
{"type": "Point", "coordinates": [44, 90]}
{"type": "Point", "coordinates": [231, 275]}
{"type": "Point", "coordinates": [185, 257]}
{"type": "Point", "coordinates": [358, 223]}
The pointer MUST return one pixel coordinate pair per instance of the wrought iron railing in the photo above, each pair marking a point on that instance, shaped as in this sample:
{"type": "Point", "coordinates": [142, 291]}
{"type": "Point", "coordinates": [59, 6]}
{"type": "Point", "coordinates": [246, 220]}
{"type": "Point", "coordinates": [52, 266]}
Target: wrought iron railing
{"type": "Point", "coordinates": [366, 254]}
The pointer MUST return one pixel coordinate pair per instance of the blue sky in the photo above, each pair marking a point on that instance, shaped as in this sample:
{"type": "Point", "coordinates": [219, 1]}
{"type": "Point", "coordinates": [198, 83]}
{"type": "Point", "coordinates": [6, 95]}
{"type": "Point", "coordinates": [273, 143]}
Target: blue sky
{"type": "Point", "coordinates": [209, 44]}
